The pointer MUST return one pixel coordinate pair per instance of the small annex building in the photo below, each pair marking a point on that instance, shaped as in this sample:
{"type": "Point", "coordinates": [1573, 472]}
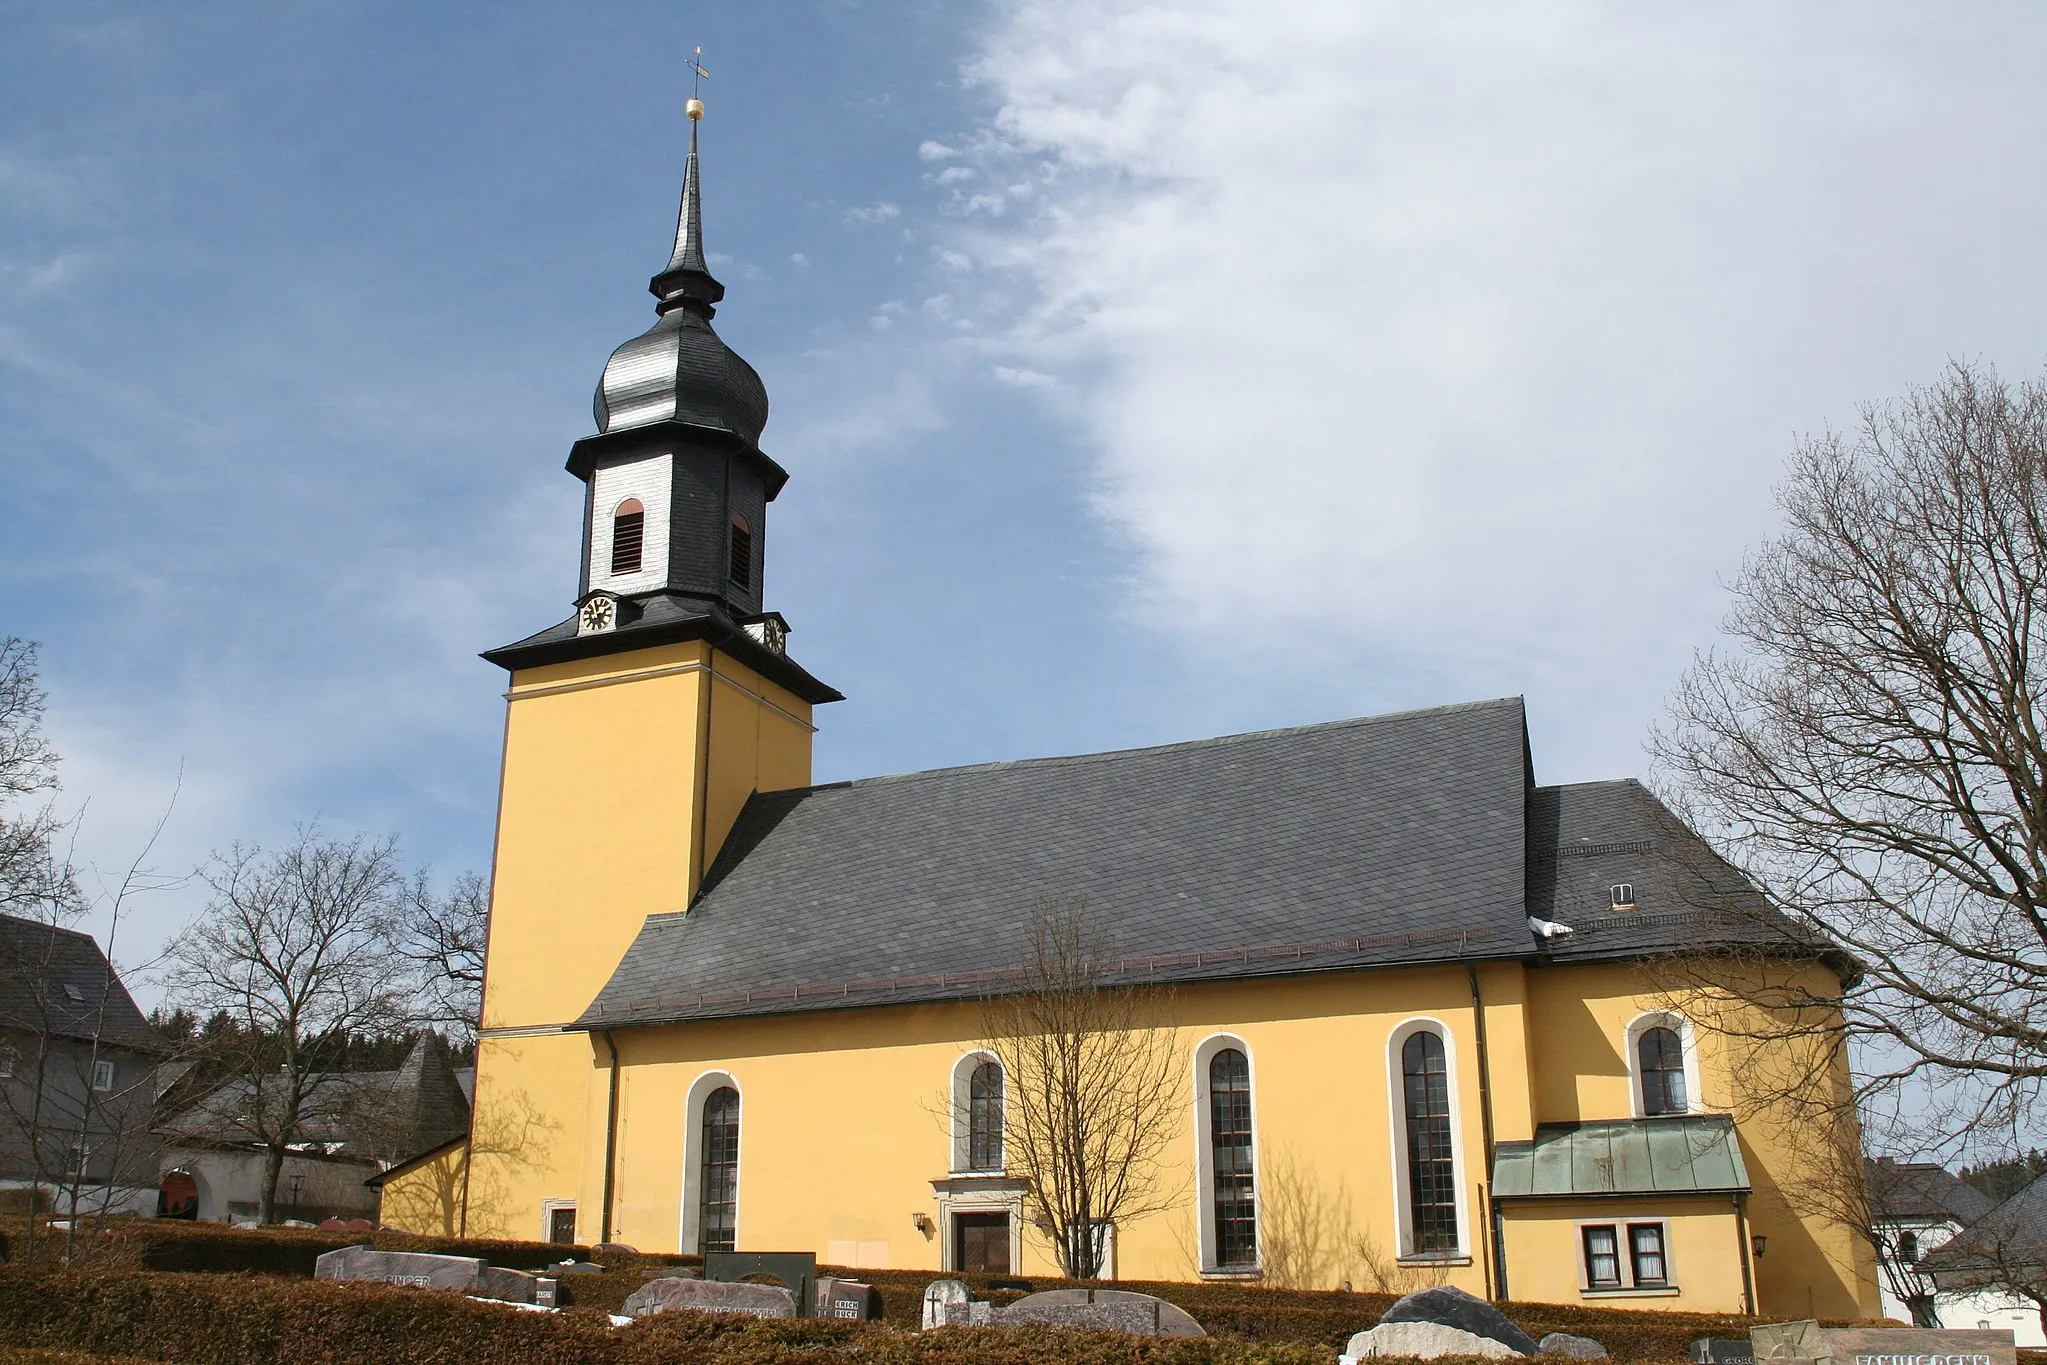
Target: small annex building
{"type": "Point", "coordinates": [726, 1007]}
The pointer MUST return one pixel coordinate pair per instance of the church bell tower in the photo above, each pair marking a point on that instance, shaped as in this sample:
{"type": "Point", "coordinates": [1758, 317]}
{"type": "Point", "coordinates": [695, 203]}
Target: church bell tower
{"type": "Point", "coordinates": [635, 731]}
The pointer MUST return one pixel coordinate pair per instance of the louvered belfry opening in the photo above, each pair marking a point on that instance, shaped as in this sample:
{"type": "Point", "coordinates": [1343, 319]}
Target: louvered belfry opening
{"type": "Point", "coordinates": [741, 570]}
{"type": "Point", "coordinates": [628, 536]}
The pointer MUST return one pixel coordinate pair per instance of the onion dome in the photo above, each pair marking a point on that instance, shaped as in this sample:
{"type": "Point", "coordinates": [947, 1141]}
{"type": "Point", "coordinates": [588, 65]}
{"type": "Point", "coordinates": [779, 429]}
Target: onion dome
{"type": "Point", "coordinates": [679, 370]}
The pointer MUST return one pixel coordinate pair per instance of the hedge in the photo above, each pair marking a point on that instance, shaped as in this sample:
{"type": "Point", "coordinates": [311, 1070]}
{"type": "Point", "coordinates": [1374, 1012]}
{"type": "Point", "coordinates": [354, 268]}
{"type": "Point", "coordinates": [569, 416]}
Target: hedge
{"type": "Point", "coordinates": [254, 1320]}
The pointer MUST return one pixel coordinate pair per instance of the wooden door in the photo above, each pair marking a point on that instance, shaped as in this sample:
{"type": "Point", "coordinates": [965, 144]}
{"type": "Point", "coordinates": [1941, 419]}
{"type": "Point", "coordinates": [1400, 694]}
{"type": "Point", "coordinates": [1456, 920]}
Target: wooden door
{"type": "Point", "coordinates": [981, 1243]}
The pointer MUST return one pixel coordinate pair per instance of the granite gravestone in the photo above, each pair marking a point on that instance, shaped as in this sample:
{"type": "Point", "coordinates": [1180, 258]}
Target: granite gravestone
{"type": "Point", "coordinates": [1918, 1346]}
{"type": "Point", "coordinates": [1115, 1310]}
{"type": "Point", "coordinates": [846, 1300]}
{"type": "Point", "coordinates": [796, 1271]}
{"type": "Point", "coordinates": [938, 1295]}
{"type": "Point", "coordinates": [1422, 1341]}
{"type": "Point", "coordinates": [1452, 1307]}
{"type": "Point", "coordinates": [1565, 1344]}
{"type": "Point", "coordinates": [417, 1268]}
{"type": "Point", "coordinates": [709, 1296]}
{"type": "Point", "coordinates": [1723, 1351]}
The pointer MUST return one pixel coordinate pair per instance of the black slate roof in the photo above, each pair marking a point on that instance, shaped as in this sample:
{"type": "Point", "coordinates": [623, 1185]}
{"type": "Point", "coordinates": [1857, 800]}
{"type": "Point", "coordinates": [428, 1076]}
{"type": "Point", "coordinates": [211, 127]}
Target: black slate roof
{"type": "Point", "coordinates": [2010, 1237]}
{"type": "Point", "coordinates": [1923, 1191]}
{"type": "Point", "coordinates": [1389, 839]}
{"type": "Point", "coordinates": [1587, 837]}
{"type": "Point", "coordinates": [52, 980]}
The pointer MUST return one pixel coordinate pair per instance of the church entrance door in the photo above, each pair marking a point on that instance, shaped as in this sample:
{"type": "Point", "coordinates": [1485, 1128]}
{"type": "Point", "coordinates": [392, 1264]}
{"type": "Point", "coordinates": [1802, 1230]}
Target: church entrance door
{"type": "Point", "coordinates": [981, 1243]}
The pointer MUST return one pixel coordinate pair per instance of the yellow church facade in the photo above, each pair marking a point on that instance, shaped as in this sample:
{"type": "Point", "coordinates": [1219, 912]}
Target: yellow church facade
{"type": "Point", "coordinates": [1413, 995]}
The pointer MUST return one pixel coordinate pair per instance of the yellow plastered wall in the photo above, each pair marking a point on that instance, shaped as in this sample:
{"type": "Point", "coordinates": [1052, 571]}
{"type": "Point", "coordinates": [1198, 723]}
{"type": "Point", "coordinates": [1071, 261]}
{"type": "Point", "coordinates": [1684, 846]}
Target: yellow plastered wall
{"type": "Point", "coordinates": [428, 1198]}
{"type": "Point", "coordinates": [1811, 1265]}
{"type": "Point", "coordinates": [1703, 1239]}
{"type": "Point", "coordinates": [845, 1124]}
{"type": "Point", "coordinates": [622, 777]}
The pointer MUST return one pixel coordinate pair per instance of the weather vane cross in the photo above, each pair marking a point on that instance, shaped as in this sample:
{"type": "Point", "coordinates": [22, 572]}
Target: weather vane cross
{"type": "Point", "coordinates": [695, 107]}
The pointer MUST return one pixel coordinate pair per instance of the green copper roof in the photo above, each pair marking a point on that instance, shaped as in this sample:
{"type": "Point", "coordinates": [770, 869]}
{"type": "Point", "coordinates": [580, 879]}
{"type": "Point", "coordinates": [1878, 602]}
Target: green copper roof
{"type": "Point", "coordinates": [1683, 1154]}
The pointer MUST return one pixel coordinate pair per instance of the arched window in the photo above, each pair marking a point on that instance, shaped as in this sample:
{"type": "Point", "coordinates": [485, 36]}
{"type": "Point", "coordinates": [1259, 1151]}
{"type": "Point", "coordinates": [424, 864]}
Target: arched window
{"type": "Point", "coordinates": [628, 536]}
{"type": "Point", "coordinates": [1229, 1136]}
{"type": "Point", "coordinates": [984, 1118]}
{"type": "Point", "coordinates": [718, 1181]}
{"type": "Point", "coordinates": [741, 568]}
{"type": "Point", "coordinates": [1661, 1056]}
{"type": "Point", "coordinates": [1431, 1162]}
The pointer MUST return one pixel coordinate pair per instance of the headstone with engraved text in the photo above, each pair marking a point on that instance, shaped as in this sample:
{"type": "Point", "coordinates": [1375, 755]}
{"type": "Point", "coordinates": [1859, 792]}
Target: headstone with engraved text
{"type": "Point", "coordinates": [709, 1296]}
{"type": "Point", "coordinates": [418, 1268]}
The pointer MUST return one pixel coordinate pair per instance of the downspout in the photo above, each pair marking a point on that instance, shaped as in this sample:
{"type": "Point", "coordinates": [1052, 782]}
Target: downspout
{"type": "Point", "coordinates": [1741, 1251]}
{"type": "Point", "coordinates": [1485, 1114]}
{"type": "Point", "coordinates": [610, 1138]}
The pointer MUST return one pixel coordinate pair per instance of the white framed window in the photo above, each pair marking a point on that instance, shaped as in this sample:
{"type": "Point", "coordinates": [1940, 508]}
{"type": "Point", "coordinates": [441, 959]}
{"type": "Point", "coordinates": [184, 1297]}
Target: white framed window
{"type": "Point", "coordinates": [711, 1163]}
{"type": "Point", "coordinates": [1625, 1256]}
{"type": "Point", "coordinates": [1663, 1065]}
{"type": "Point", "coordinates": [558, 1221]}
{"type": "Point", "coordinates": [6, 1062]}
{"type": "Point", "coordinates": [103, 1075]}
{"type": "Point", "coordinates": [979, 1098]}
{"type": "Point", "coordinates": [1428, 1141]}
{"type": "Point", "coordinates": [1226, 1146]}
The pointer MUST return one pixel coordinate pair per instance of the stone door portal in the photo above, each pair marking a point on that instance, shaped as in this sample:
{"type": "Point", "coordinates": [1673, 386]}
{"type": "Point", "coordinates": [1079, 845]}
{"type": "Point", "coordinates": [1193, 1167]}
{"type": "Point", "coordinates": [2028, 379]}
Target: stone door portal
{"type": "Point", "coordinates": [981, 1243]}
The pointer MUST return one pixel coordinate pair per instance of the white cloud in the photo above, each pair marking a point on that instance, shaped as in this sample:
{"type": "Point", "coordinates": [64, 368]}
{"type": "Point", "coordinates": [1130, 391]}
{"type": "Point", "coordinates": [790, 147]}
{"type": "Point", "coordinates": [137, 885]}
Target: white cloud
{"type": "Point", "coordinates": [1024, 379]}
{"type": "Point", "coordinates": [873, 213]}
{"type": "Point", "coordinates": [935, 151]}
{"type": "Point", "coordinates": [1476, 338]}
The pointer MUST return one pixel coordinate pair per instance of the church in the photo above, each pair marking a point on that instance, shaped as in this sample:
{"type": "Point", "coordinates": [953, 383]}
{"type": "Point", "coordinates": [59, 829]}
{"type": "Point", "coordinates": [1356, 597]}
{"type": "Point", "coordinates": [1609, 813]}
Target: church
{"type": "Point", "coordinates": [1408, 988]}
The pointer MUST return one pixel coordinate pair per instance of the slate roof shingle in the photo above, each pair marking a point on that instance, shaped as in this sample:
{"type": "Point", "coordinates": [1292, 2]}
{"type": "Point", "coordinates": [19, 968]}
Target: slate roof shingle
{"type": "Point", "coordinates": [39, 961]}
{"type": "Point", "coordinates": [1412, 837]}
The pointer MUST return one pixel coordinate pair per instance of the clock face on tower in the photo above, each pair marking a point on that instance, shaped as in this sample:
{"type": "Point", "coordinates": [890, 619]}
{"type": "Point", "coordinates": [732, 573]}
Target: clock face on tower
{"type": "Point", "coordinates": [599, 613]}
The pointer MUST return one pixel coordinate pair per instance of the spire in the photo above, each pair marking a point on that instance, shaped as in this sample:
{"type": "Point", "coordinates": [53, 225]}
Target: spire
{"type": "Point", "coordinates": [687, 282]}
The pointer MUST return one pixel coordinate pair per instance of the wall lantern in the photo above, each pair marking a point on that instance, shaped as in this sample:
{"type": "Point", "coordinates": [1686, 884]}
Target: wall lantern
{"type": "Point", "coordinates": [922, 1222]}
{"type": "Point", "coordinates": [1755, 1244]}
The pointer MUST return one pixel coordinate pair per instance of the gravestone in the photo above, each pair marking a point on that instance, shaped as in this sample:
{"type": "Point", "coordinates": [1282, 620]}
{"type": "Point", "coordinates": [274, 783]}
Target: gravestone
{"type": "Point", "coordinates": [1564, 1344]}
{"type": "Point", "coordinates": [709, 1296]}
{"type": "Point", "coordinates": [1452, 1307]}
{"type": "Point", "coordinates": [938, 1295]}
{"type": "Point", "coordinates": [1723, 1351]}
{"type": "Point", "coordinates": [1918, 1346]}
{"type": "Point", "coordinates": [516, 1286]}
{"type": "Point", "coordinates": [1118, 1310]}
{"type": "Point", "coordinates": [418, 1268]}
{"type": "Point", "coordinates": [1423, 1341]}
{"type": "Point", "coordinates": [796, 1270]}
{"type": "Point", "coordinates": [846, 1300]}
{"type": "Point", "coordinates": [1787, 1341]}
{"type": "Point", "coordinates": [979, 1313]}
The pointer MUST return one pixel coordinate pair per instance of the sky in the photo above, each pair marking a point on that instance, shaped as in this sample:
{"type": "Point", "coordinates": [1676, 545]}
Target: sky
{"type": "Point", "coordinates": [1145, 371]}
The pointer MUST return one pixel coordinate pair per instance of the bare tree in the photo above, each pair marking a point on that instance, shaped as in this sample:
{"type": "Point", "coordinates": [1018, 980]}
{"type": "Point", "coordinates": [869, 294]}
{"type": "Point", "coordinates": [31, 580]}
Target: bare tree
{"type": "Point", "coordinates": [294, 947]}
{"type": "Point", "coordinates": [1092, 1086]}
{"type": "Point", "coordinates": [443, 935]}
{"type": "Point", "coordinates": [1871, 752]}
{"type": "Point", "coordinates": [35, 879]}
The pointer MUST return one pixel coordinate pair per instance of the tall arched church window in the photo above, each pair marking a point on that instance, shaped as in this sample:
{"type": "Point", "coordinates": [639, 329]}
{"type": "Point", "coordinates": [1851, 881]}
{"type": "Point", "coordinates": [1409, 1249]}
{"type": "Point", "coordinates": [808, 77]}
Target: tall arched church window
{"type": "Point", "coordinates": [719, 1182]}
{"type": "Point", "coordinates": [1431, 1164]}
{"type": "Point", "coordinates": [628, 536]}
{"type": "Point", "coordinates": [1661, 1055]}
{"type": "Point", "coordinates": [741, 568]}
{"type": "Point", "coordinates": [984, 1118]}
{"type": "Point", "coordinates": [1229, 1135]}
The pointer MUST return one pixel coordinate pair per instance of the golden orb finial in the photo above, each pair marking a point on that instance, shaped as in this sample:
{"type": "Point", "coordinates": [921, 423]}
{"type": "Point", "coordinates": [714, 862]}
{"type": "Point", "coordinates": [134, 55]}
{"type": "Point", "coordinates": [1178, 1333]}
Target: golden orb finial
{"type": "Point", "coordinates": [695, 107]}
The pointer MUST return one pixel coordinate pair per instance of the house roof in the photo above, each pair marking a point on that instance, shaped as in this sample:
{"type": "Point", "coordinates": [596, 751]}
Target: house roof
{"type": "Point", "coordinates": [55, 980]}
{"type": "Point", "coordinates": [1389, 839]}
{"type": "Point", "coordinates": [2011, 1235]}
{"type": "Point", "coordinates": [1923, 1191]}
{"type": "Point", "coordinates": [387, 1114]}
{"type": "Point", "coordinates": [1680, 1154]}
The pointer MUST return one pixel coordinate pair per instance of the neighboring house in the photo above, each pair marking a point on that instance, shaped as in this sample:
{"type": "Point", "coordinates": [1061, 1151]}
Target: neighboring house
{"type": "Point", "coordinates": [365, 1122]}
{"type": "Point", "coordinates": [77, 1064]}
{"type": "Point", "coordinates": [1919, 1207]}
{"type": "Point", "coordinates": [1993, 1272]}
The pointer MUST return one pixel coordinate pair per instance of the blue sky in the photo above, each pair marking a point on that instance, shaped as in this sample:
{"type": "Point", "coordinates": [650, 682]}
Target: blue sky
{"type": "Point", "coordinates": [1145, 371]}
